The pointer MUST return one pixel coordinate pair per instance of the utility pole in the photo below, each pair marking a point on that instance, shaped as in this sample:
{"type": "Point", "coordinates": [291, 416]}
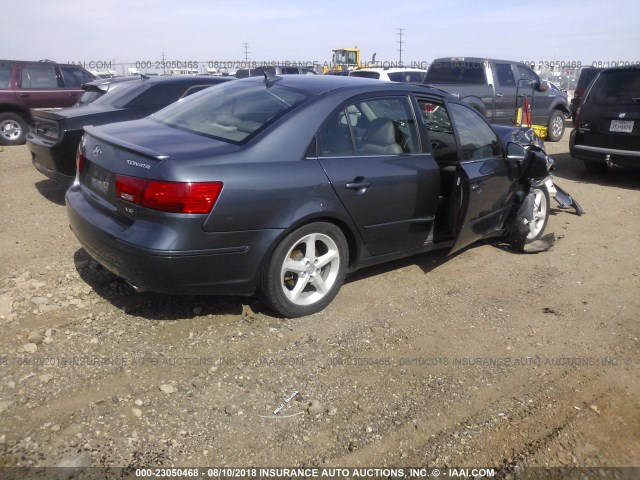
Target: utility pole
{"type": "Point", "coordinates": [246, 51]}
{"type": "Point", "coordinates": [400, 42]}
{"type": "Point", "coordinates": [163, 69]}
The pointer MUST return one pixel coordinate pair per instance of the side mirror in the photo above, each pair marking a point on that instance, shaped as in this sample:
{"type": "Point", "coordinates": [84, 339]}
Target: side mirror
{"type": "Point", "coordinates": [516, 153]}
{"type": "Point", "coordinates": [542, 86]}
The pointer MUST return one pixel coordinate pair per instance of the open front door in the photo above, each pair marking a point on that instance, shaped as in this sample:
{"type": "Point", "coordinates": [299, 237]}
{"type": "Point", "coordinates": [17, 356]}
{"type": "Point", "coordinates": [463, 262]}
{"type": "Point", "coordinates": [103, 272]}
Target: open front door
{"type": "Point", "coordinates": [482, 189]}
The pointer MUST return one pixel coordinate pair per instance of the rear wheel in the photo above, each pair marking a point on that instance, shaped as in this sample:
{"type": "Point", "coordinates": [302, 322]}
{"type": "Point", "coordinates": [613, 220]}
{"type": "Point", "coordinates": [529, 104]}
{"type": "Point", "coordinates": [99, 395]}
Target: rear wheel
{"type": "Point", "coordinates": [13, 129]}
{"type": "Point", "coordinates": [306, 270]}
{"type": "Point", "coordinates": [555, 128]}
{"type": "Point", "coordinates": [541, 209]}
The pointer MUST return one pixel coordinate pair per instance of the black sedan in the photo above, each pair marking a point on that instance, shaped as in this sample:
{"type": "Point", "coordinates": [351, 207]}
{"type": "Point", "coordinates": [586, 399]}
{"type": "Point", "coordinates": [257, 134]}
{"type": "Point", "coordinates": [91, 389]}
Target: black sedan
{"type": "Point", "coordinates": [54, 135]}
{"type": "Point", "coordinates": [282, 185]}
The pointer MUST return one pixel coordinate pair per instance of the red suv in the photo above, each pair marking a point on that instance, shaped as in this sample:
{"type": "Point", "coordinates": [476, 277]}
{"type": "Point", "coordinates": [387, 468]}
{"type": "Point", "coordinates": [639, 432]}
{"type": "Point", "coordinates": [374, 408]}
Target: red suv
{"type": "Point", "coordinates": [43, 84]}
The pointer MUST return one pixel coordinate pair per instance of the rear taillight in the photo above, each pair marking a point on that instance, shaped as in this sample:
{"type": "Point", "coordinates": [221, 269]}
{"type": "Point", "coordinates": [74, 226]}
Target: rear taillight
{"type": "Point", "coordinates": [80, 162]}
{"type": "Point", "coordinates": [576, 118]}
{"type": "Point", "coordinates": [175, 197]}
{"type": "Point", "coordinates": [578, 93]}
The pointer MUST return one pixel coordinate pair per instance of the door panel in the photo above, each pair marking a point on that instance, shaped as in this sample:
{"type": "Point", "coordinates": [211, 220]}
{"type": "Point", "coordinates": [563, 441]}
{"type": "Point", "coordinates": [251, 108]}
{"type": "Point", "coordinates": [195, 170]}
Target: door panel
{"type": "Point", "coordinates": [483, 190]}
{"type": "Point", "coordinates": [371, 154]}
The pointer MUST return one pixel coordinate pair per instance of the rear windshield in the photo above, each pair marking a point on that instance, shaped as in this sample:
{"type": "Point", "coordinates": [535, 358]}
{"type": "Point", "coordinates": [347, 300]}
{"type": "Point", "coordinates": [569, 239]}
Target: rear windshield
{"type": "Point", "coordinates": [362, 74]}
{"type": "Point", "coordinates": [231, 112]}
{"type": "Point", "coordinates": [457, 72]}
{"type": "Point", "coordinates": [407, 77]}
{"type": "Point", "coordinates": [616, 88]}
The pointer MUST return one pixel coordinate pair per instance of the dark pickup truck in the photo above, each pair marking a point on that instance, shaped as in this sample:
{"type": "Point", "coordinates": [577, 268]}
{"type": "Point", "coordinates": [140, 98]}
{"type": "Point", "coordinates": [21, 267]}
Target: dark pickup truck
{"type": "Point", "coordinates": [496, 88]}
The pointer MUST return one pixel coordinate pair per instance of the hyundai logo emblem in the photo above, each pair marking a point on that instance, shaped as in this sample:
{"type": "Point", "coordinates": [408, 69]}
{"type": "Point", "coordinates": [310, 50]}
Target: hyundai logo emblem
{"type": "Point", "coordinates": [97, 151]}
{"type": "Point", "coordinates": [622, 115]}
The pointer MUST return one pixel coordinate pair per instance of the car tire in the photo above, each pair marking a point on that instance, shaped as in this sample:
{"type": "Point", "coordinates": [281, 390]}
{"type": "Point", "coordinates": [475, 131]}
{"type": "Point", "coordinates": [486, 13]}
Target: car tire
{"type": "Point", "coordinates": [542, 208]}
{"type": "Point", "coordinates": [306, 270]}
{"type": "Point", "coordinates": [555, 127]}
{"type": "Point", "coordinates": [13, 129]}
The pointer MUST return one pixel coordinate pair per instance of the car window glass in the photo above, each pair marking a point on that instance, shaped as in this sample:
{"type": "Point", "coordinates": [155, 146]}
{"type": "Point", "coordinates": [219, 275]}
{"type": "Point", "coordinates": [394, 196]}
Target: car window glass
{"type": "Point", "coordinates": [74, 76]}
{"type": "Point", "coordinates": [472, 72]}
{"type": "Point", "coordinates": [159, 95]}
{"type": "Point", "coordinates": [436, 121]}
{"type": "Point", "coordinates": [377, 126]}
{"type": "Point", "coordinates": [365, 74]}
{"type": "Point", "coordinates": [290, 70]}
{"type": "Point", "coordinates": [5, 75]}
{"type": "Point", "coordinates": [38, 76]}
{"type": "Point", "coordinates": [526, 74]}
{"type": "Point", "coordinates": [477, 139]}
{"type": "Point", "coordinates": [616, 88]}
{"type": "Point", "coordinates": [232, 112]}
{"type": "Point", "coordinates": [505, 75]}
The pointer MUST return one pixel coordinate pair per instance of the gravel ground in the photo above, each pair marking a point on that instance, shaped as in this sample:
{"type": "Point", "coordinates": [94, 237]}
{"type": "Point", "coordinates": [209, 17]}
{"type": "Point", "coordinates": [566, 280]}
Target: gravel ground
{"type": "Point", "coordinates": [486, 358]}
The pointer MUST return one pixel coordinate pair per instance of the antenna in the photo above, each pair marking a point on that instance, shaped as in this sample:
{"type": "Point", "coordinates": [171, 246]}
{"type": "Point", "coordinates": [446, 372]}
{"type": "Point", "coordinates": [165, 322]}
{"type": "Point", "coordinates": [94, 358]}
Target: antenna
{"type": "Point", "coordinates": [400, 42]}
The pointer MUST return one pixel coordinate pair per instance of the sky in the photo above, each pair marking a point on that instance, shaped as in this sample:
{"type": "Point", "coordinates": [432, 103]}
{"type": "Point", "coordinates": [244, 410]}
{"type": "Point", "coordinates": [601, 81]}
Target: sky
{"type": "Point", "coordinates": [129, 31]}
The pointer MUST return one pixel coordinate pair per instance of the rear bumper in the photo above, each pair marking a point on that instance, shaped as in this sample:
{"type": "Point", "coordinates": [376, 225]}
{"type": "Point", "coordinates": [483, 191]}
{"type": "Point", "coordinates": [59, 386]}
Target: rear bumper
{"type": "Point", "coordinates": [230, 266]}
{"type": "Point", "coordinates": [623, 158]}
{"type": "Point", "coordinates": [56, 161]}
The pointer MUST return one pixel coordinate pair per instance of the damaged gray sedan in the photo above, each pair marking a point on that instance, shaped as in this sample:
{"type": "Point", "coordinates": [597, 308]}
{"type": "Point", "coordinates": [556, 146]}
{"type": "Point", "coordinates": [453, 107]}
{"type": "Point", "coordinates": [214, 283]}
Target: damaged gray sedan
{"type": "Point", "coordinates": [283, 185]}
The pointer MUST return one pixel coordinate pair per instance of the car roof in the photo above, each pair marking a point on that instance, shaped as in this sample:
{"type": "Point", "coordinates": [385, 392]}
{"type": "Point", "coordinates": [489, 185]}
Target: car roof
{"type": "Point", "coordinates": [321, 84]}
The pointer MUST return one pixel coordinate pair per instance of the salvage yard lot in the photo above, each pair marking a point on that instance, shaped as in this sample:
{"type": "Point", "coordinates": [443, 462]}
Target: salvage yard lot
{"type": "Point", "coordinates": [486, 358]}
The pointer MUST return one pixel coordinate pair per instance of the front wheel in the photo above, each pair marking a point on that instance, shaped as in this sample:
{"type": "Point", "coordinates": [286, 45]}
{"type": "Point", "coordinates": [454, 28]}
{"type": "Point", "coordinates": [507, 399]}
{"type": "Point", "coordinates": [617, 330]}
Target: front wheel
{"type": "Point", "coordinates": [13, 129]}
{"type": "Point", "coordinates": [541, 210]}
{"type": "Point", "coordinates": [306, 270]}
{"type": "Point", "coordinates": [555, 128]}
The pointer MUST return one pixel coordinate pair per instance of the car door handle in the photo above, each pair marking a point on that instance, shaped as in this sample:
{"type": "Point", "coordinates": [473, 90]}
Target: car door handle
{"type": "Point", "coordinates": [23, 94]}
{"type": "Point", "coordinates": [499, 95]}
{"type": "Point", "coordinates": [477, 189]}
{"type": "Point", "coordinates": [358, 185]}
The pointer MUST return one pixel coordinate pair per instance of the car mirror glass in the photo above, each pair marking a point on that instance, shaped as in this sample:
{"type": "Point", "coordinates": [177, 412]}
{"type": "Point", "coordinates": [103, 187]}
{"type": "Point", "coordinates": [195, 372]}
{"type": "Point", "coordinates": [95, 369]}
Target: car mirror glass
{"type": "Point", "coordinates": [515, 152]}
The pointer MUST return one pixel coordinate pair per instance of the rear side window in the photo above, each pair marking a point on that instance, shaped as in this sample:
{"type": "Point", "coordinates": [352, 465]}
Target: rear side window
{"type": "Point", "coordinates": [5, 75]}
{"type": "Point", "coordinates": [457, 72]}
{"type": "Point", "coordinates": [505, 75]}
{"type": "Point", "coordinates": [376, 126]}
{"type": "Point", "coordinates": [74, 77]}
{"type": "Point", "coordinates": [38, 76]}
{"type": "Point", "coordinates": [616, 88]}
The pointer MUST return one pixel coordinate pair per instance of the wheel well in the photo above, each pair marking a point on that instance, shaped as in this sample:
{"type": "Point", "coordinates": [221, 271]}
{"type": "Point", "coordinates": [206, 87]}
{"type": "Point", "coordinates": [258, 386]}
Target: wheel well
{"type": "Point", "coordinates": [18, 111]}
{"type": "Point", "coordinates": [348, 234]}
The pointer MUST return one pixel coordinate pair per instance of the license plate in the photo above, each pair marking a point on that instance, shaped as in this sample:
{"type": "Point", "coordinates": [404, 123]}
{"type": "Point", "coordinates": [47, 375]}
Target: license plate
{"type": "Point", "coordinates": [99, 180]}
{"type": "Point", "coordinates": [623, 126]}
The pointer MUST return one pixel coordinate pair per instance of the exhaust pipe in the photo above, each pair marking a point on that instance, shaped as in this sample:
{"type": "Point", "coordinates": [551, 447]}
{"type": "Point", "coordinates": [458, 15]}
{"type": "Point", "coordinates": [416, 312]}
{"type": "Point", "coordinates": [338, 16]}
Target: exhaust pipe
{"type": "Point", "coordinates": [135, 287]}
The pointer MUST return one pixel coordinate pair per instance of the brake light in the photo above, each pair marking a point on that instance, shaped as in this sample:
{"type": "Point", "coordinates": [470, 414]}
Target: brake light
{"type": "Point", "coordinates": [80, 162]}
{"type": "Point", "coordinates": [578, 93]}
{"type": "Point", "coordinates": [576, 118]}
{"type": "Point", "coordinates": [175, 197]}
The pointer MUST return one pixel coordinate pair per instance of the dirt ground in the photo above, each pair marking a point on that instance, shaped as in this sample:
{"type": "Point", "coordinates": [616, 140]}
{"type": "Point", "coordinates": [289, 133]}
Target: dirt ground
{"type": "Point", "coordinates": [488, 358]}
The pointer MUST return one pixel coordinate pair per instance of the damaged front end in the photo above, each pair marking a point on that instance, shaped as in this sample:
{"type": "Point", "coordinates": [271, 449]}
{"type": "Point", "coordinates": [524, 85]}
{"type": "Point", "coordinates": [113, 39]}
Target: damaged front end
{"type": "Point", "coordinates": [533, 167]}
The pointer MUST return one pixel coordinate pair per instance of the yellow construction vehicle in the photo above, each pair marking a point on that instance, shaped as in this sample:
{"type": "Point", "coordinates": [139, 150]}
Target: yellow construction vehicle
{"type": "Point", "coordinates": [343, 60]}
